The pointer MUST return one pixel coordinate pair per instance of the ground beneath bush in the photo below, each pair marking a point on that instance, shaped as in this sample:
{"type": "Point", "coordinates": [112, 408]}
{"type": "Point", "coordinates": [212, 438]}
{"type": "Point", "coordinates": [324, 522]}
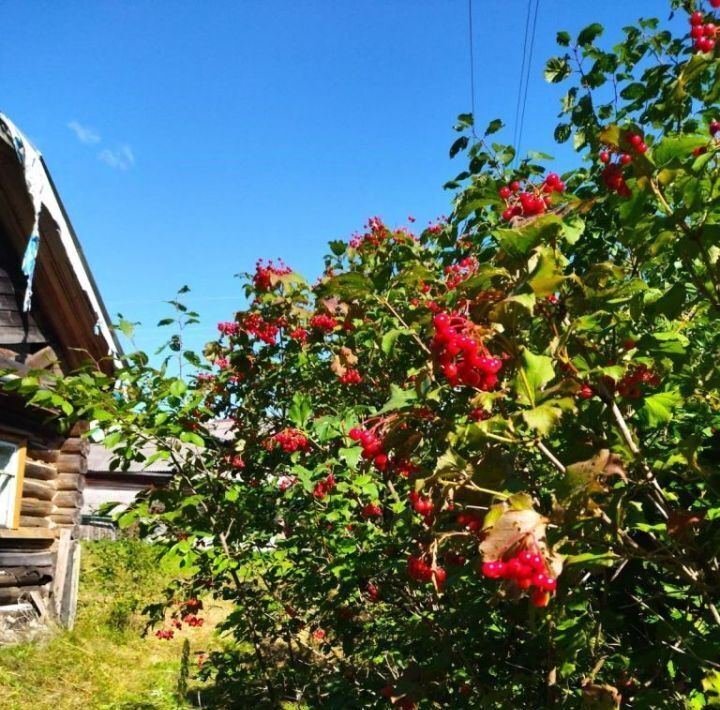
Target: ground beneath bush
{"type": "Point", "coordinates": [105, 662]}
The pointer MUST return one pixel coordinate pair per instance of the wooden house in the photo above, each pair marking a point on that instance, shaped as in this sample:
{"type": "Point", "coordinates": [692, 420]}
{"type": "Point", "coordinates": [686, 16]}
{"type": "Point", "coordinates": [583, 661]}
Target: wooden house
{"type": "Point", "coordinates": [59, 325]}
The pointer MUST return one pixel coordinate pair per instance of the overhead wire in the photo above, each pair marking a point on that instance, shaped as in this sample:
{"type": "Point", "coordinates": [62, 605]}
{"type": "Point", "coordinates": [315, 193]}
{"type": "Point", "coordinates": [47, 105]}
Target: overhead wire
{"type": "Point", "coordinates": [527, 78]}
{"type": "Point", "coordinates": [522, 75]}
{"type": "Point", "coordinates": [472, 66]}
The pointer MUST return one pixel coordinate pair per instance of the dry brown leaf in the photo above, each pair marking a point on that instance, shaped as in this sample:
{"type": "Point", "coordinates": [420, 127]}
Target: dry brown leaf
{"type": "Point", "coordinates": [601, 697]}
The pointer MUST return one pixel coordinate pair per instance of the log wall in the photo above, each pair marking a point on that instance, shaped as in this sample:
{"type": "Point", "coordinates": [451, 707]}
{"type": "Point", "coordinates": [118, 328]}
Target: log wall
{"type": "Point", "coordinates": [52, 499]}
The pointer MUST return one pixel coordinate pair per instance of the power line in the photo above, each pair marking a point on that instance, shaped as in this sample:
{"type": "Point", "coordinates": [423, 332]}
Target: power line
{"type": "Point", "coordinates": [522, 76]}
{"type": "Point", "coordinates": [472, 65]}
{"type": "Point", "coordinates": [527, 78]}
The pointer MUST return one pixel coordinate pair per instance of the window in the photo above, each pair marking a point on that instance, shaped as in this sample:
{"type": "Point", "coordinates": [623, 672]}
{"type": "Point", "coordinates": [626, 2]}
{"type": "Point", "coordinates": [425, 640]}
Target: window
{"type": "Point", "coordinates": [12, 463]}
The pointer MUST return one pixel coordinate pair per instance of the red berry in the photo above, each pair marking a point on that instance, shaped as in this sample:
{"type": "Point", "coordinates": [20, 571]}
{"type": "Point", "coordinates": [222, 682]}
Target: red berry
{"type": "Point", "coordinates": [504, 192]}
{"type": "Point", "coordinates": [697, 18]}
{"type": "Point", "coordinates": [636, 140]}
{"type": "Point", "coordinates": [508, 214]}
{"type": "Point", "coordinates": [715, 3]}
{"type": "Point", "coordinates": [586, 392]}
{"type": "Point", "coordinates": [355, 434]}
{"type": "Point", "coordinates": [697, 31]}
{"type": "Point", "coordinates": [709, 30]}
{"type": "Point", "coordinates": [515, 186]}
{"type": "Point", "coordinates": [540, 598]}
{"type": "Point", "coordinates": [551, 584]}
{"type": "Point", "coordinates": [641, 148]}
{"type": "Point", "coordinates": [625, 159]}
{"type": "Point", "coordinates": [604, 156]}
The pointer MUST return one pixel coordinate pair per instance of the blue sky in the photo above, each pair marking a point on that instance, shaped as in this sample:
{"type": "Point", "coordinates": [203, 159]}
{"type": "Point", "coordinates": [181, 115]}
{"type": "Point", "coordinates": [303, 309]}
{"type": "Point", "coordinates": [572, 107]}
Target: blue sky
{"type": "Point", "coordinates": [188, 139]}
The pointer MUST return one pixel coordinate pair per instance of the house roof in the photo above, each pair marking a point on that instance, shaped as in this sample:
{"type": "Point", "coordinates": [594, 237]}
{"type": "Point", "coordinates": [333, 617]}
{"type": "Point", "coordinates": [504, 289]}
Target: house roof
{"type": "Point", "coordinates": [65, 294]}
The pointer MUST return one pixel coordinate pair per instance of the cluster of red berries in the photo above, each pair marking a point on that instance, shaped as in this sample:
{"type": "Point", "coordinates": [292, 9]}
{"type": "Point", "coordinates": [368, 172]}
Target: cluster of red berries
{"type": "Point", "coordinates": [165, 634]}
{"type": "Point", "coordinates": [613, 176]}
{"type": "Point", "coordinates": [421, 571]}
{"type": "Point", "coordinates": [404, 703]}
{"type": "Point", "coordinates": [322, 488]}
{"type": "Point", "coordinates": [324, 322]}
{"type": "Point", "coordinates": [478, 414]}
{"type": "Point", "coordinates": [376, 234]}
{"type": "Point", "coordinates": [236, 461]}
{"type": "Point", "coordinates": [703, 33]}
{"type": "Point", "coordinates": [264, 272]}
{"type": "Point", "coordinates": [629, 386]}
{"type": "Point", "coordinates": [462, 358]}
{"type": "Point", "coordinates": [372, 447]}
{"type": "Point", "coordinates": [472, 521]}
{"type": "Point", "coordinates": [372, 592]}
{"type": "Point", "coordinates": [372, 510]}
{"type": "Point", "coordinates": [463, 270]}
{"type": "Point", "coordinates": [351, 377]}
{"type": "Point", "coordinates": [192, 620]}
{"type": "Point", "coordinates": [289, 440]}
{"type": "Point", "coordinates": [422, 505]}
{"type": "Point", "coordinates": [255, 324]}
{"type": "Point", "coordinates": [285, 482]}
{"type": "Point", "coordinates": [534, 200]}
{"type": "Point", "coordinates": [228, 328]}
{"type": "Point", "coordinates": [528, 571]}
{"type": "Point", "coordinates": [299, 334]}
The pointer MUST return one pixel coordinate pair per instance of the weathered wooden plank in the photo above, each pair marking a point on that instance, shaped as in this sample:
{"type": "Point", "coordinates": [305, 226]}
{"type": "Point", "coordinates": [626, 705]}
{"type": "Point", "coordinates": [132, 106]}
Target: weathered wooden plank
{"type": "Point", "coordinates": [40, 470]}
{"type": "Point", "coordinates": [61, 569]}
{"type": "Point", "coordinates": [12, 594]}
{"type": "Point", "coordinates": [35, 507]}
{"type": "Point", "coordinates": [24, 576]}
{"type": "Point", "coordinates": [71, 463]}
{"type": "Point", "coordinates": [70, 596]}
{"type": "Point", "coordinates": [34, 534]}
{"type": "Point", "coordinates": [70, 482]}
{"type": "Point", "coordinates": [26, 558]}
{"type": "Point", "coordinates": [42, 490]}
{"type": "Point", "coordinates": [76, 445]}
{"type": "Point", "coordinates": [29, 521]}
{"type": "Point", "coordinates": [67, 499]}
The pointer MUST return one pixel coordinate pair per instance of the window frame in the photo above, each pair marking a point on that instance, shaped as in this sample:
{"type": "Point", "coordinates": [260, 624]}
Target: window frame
{"type": "Point", "coordinates": [20, 445]}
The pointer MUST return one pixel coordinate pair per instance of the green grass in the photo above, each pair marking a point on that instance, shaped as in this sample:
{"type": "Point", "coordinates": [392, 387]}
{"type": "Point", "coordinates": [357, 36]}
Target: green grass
{"type": "Point", "coordinates": [105, 662]}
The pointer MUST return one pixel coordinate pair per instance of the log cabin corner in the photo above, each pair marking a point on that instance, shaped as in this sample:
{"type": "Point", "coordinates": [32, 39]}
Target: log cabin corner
{"type": "Point", "coordinates": [59, 325]}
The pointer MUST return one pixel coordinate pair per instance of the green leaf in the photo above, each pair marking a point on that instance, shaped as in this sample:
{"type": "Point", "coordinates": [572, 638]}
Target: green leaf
{"type": "Point", "coordinates": [178, 388]}
{"type": "Point", "coordinates": [557, 69]}
{"type": "Point", "coordinates": [126, 328]}
{"type": "Point", "coordinates": [349, 285]}
{"type": "Point", "coordinates": [388, 340]}
{"type": "Point", "coordinates": [658, 408]}
{"type": "Point", "coordinates": [460, 144]}
{"type": "Point", "coordinates": [547, 273]}
{"type": "Point", "coordinates": [494, 126]}
{"type": "Point", "coordinates": [542, 418]}
{"type": "Point", "coordinates": [673, 148]}
{"type": "Point", "coordinates": [190, 437]}
{"type": "Point", "coordinates": [563, 39]}
{"type": "Point", "coordinates": [521, 240]}
{"type": "Point", "coordinates": [562, 132]}
{"type": "Point", "coordinates": [337, 247]}
{"type": "Point", "coordinates": [589, 34]}
{"type": "Point", "coordinates": [534, 372]}
{"type": "Point", "coordinates": [165, 321]}
{"type": "Point", "coordinates": [300, 410]}
{"type": "Point", "coordinates": [399, 399]}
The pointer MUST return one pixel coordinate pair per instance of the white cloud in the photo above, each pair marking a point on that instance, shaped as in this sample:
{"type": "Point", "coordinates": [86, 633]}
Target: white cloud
{"type": "Point", "coordinates": [83, 133]}
{"type": "Point", "coordinates": [121, 158]}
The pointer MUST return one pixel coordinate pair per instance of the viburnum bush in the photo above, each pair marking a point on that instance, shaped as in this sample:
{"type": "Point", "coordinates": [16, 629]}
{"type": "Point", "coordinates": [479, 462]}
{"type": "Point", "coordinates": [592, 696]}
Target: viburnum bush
{"type": "Point", "coordinates": [474, 465]}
